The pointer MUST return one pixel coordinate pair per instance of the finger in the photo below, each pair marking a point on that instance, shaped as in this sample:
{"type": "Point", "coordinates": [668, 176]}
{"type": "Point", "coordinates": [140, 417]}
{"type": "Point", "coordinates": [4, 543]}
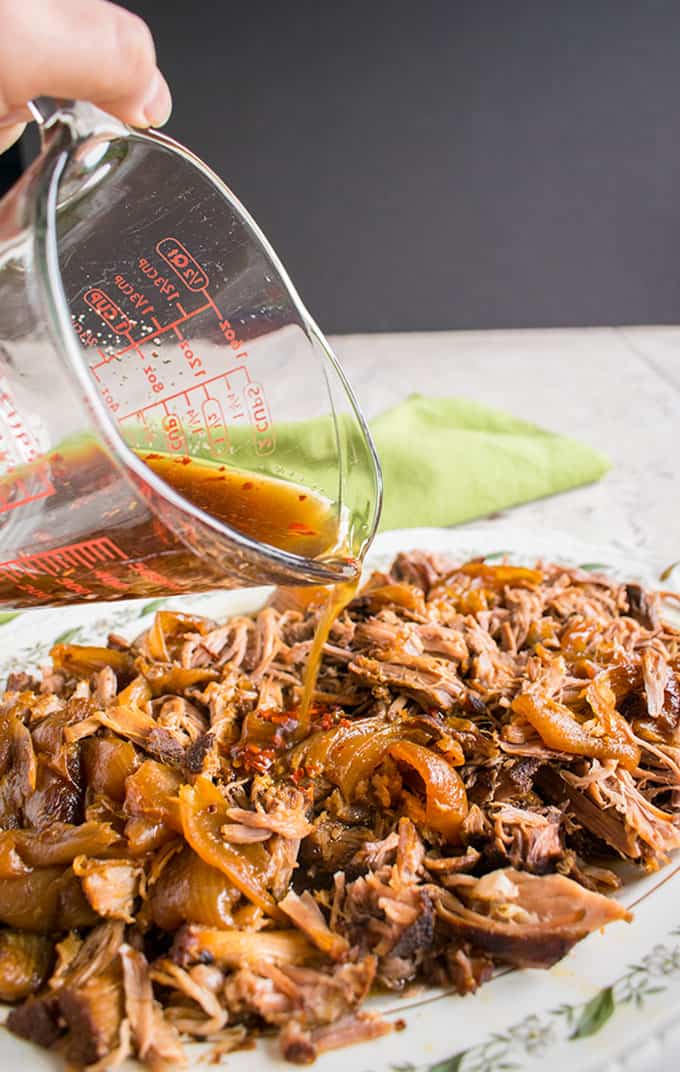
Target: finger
{"type": "Point", "coordinates": [10, 134]}
{"type": "Point", "coordinates": [82, 49]}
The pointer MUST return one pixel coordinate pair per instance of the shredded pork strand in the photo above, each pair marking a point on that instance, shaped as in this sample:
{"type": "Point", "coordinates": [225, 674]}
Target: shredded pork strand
{"type": "Point", "coordinates": [181, 857]}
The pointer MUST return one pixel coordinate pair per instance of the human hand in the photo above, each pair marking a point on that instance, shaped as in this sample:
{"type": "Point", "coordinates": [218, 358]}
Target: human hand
{"type": "Point", "coordinates": [77, 49]}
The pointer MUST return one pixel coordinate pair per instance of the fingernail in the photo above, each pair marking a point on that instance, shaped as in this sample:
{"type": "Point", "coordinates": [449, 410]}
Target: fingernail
{"type": "Point", "coordinates": [157, 106]}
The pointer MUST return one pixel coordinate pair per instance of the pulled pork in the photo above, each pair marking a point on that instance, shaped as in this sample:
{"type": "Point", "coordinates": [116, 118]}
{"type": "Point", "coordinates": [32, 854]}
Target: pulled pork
{"type": "Point", "coordinates": [182, 855]}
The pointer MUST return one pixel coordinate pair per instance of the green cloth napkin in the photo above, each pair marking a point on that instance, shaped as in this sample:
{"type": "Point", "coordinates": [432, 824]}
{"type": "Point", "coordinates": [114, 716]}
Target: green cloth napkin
{"type": "Point", "coordinates": [448, 460]}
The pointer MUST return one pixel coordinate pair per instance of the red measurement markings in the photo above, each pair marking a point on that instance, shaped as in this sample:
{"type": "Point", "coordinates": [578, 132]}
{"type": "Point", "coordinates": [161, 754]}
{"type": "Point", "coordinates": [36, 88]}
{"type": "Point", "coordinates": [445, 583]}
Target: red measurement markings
{"type": "Point", "coordinates": [174, 433]}
{"type": "Point", "coordinates": [59, 562]}
{"type": "Point", "coordinates": [154, 577]}
{"type": "Point", "coordinates": [227, 330]}
{"type": "Point", "coordinates": [24, 446]}
{"type": "Point", "coordinates": [24, 491]}
{"type": "Point", "coordinates": [167, 289]}
{"type": "Point", "coordinates": [55, 562]}
{"type": "Point", "coordinates": [19, 448]}
{"type": "Point", "coordinates": [135, 345]}
{"type": "Point", "coordinates": [86, 336]}
{"type": "Point", "coordinates": [151, 373]}
{"type": "Point", "coordinates": [260, 418]}
{"type": "Point", "coordinates": [215, 426]}
{"type": "Point", "coordinates": [148, 430]}
{"type": "Point", "coordinates": [107, 310]}
{"type": "Point", "coordinates": [134, 296]}
{"type": "Point", "coordinates": [203, 386]}
{"type": "Point", "coordinates": [183, 264]}
{"type": "Point", "coordinates": [193, 361]}
{"type": "Point", "coordinates": [93, 556]}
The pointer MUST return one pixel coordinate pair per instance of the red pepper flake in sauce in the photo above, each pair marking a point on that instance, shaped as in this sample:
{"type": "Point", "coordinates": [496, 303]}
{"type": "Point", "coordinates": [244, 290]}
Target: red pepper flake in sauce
{"type": "Point", "coordinates": [326, 721]}
{"type": "Point", "coordinates": [301, 529]}
{"type": "Point", "coordinates": [262, 761]}
{"type": "Point", "coordinates": [248, 486]}
{"type": "Point", "coordinates": [252, 757]}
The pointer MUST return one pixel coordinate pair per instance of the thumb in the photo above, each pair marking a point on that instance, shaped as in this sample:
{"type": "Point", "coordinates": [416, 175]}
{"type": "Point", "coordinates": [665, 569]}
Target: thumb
{"type": "Point", "coordinates": [82, 49]}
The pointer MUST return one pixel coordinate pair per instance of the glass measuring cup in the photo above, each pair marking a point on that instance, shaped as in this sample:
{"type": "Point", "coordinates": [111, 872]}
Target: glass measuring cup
{"type": "Point", "coordinates": [143, 312]}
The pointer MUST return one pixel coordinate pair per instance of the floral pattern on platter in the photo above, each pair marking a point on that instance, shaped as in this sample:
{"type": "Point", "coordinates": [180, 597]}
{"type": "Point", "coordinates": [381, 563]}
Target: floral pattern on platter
{"type": "Point", "coordinates": [535, 1035]}
{"type": "Point", "coordinates": [127, 618]}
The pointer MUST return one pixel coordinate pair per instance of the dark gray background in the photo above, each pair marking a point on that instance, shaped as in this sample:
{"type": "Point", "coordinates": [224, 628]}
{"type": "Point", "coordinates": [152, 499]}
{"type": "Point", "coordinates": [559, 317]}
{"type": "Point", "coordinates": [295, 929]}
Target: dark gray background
{"type": "Point", "coordinates": [445, 164]}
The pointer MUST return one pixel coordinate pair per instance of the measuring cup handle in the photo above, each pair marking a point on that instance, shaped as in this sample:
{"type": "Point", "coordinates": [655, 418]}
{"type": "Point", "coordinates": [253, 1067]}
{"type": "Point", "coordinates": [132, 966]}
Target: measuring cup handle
{"type": "Point", "coordinates": [81, 118]}
{"type": "Point", "coordinates": [46, 110]}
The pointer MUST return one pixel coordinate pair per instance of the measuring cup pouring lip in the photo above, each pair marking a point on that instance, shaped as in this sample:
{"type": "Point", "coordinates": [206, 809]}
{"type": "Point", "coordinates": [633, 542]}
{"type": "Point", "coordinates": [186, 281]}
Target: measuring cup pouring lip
{"type": "Point", "coordinates": [301, 569]}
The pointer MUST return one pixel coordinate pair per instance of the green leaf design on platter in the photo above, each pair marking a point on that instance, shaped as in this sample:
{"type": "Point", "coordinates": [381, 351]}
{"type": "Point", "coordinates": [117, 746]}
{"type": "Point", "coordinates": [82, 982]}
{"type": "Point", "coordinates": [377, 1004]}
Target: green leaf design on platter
{"type": "Point", "coordinates": [592, 567]}
{"type": "Point", "coordinates": [8, 616]}
{"type": "Point", "coordinates": [595, 1014]}
{"type": "Point", "coordinates": [68, 635]}
{"type": "Point", "coordinates": [150, 608]}
{"type": "Point", "coordinates": [451, 1064]}
{"type": "Point", "coordinates": [495, 554]}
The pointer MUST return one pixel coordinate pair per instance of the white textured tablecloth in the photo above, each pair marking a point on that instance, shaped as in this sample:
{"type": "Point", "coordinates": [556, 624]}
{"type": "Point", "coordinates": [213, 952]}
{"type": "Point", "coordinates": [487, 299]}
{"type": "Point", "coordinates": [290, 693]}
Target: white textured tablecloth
{"type": "Point", "coordinates": [615, 388]}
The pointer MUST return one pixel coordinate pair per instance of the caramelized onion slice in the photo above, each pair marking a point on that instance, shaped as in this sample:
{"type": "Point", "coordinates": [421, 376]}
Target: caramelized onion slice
{"type": "Point", "coordinates": [204, 811]}
{"type": "Point", "coordinates": [44, 901]}
{"type": "Point", "coordinates": [602, 699]}
{"type": "Point", "coordinates": [385, 595]}
{"type": "Point", "coordinates": [498, 576]}
{"type": "Point", "coordinates": [108, 762]}
{"type": "Point", "coordinates": [561, 731]}
{"type": "Point", "coordinates": [190, 891]}
{"type": "Point", "coordinates": [25, 963]}
{"type": "Point", "coordinates": [146, 835]}
{"type": "Point", "coordinates": [82, 660]}
{"type": "Point", "coordinates": [234, 949]}
{"type": "Point", "coordinates": [349, 753]}
{"type": "Point", "coordinates": [58, 844]}
{"type": "Point", "coordinates": [446, 804]}
{"type": "Point", "coordinates": [151, 792]}
{"type": "Point", "coordinates": [136, 694]}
